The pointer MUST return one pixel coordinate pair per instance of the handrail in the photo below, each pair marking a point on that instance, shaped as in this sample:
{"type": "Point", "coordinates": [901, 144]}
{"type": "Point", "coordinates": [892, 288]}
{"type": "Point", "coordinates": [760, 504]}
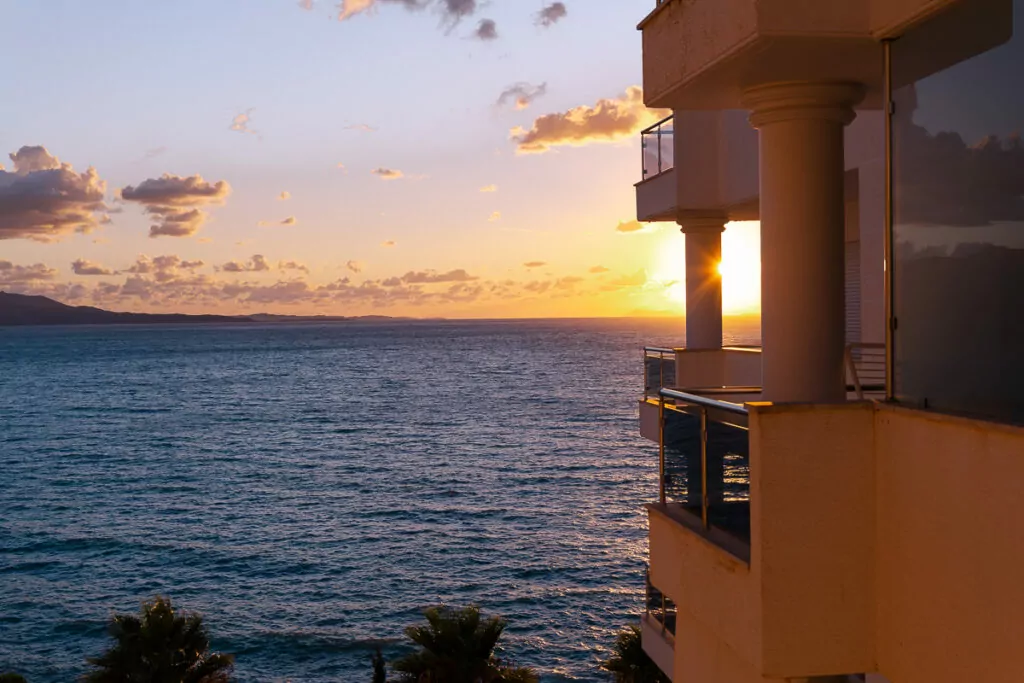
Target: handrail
{"type": "Point", "coordinates": [704, 402]}
{"type": "Point", "coordinates": [658, 349]}
{"type": "Point", "coordinates": [653, 126]}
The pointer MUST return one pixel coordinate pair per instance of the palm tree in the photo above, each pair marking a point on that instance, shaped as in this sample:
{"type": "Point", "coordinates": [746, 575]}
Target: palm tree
{"type": "Point", "coordinates": [457, 646]}
{"type": "Point", "coordinates": [380, 671]}
{"type": "Point", "coordinates": [629, 663]}
{"type": "Point", "coordinates": [160, 647]}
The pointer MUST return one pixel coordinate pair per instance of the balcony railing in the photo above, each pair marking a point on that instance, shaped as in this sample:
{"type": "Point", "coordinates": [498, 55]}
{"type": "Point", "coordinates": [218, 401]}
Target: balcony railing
{"type": "Point", "coordinates": [659, 607]}
{"type": "Point", "coordinates": [657, 149]}
{"type": "Point", "coordinates": [659, 369]}
{"type": "Point", "coordinates": [704, 460]}
{"type": "Point", "coordinates": [865, 370]}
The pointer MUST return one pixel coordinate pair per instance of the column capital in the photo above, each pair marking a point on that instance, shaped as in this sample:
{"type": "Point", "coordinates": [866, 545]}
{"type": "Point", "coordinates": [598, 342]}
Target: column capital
{"type": "Point", "coordinates": [802, 100]}
{"type": "Point", "coordinates": [701, 224]}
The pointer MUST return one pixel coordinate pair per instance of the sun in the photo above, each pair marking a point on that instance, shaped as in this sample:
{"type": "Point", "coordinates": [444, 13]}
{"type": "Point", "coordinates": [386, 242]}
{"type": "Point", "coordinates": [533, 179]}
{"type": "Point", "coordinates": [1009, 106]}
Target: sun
{"type": "Point", "coordinates": [740, 268]}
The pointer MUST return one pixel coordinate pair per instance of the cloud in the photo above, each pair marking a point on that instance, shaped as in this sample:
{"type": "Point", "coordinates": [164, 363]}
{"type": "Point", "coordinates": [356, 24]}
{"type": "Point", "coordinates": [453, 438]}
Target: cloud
{"type": "Point", "coordinates": [387, 173]}
{"type": "Point", "coordinates": [284, 196]}
{"type": "Point", "coordinates": [13, 274]}
{"type": "Point", "coordinates": [354, 266]}
{"type": "Point", "coordinates": [495, 217]}
{"type": "Point", "coordinates": [361, 127]}
{"type": "Point", "coordinates": [523, 94]}
{"type": "Point", "coordinates": [289, 221]}
{"type": "Point", "coordinates": [597, 270]}
{"type": "Point", "coordinates": [432, 277]}
{"type": "Point", "coordinates": [175, 201]}
{"type": "Point", "coordinates": [486, 30]}
{"type": "Point", "coordinates": [452, 11]}
{"type": "Point", "coordinates": [84, 267]}
{"type": "Point", "coordinates": [292, 265]}
{"type": "Point", "coordinates": [489, 188]}
{"type": "Point", "coordinates": [637, 279]}
{"type": "Point", "coordinates": [306, 4]}
{"type": "Point", "coordinates": [43, 199]}
{"type": "Point", "coordinates": [240, 124]}
{"type": "Point", "coordinates": [153, 153]}
{"type": "Point", "coordinates": [551, 14]}
{"type": "Point", "coordinates": [256, 264]}
{"type": "Point", "coordinates": [388, 244]}
{"type": "Point", "coordinates": [630, 226]}
{"type": "Point", "coordinates": [167, 268]}
{"type": "Point", "coordinates": [607, 121]}
{"type": "Point", "coordinates": [535, 264]}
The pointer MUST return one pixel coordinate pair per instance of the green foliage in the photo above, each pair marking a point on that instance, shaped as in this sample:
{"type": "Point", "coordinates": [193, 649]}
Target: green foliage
{"type": "Point", "coordinates": [160, 647]}
{"type": "Point", "coordinates": [629, 663]}
{"type": "Point", "coordinates": [457, 646]}
{"type": "Point", "coordinates": [11, 678]}
{"type": "Point", "coordinates": [380, 672]}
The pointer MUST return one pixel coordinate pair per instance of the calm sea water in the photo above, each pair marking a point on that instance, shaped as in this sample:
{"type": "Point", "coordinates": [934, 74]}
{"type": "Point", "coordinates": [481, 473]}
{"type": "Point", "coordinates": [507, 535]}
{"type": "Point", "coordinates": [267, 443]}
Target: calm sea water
{"type": "Point", "coordinates": [311, 488]}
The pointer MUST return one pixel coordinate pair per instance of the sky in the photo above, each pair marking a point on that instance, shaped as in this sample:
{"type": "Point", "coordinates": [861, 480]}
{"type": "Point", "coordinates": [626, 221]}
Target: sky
{"type": "Point", "coordinates": [455, 158]}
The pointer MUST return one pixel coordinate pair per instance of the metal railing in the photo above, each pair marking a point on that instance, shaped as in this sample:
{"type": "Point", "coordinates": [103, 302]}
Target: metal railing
{"type": "Point", "coordinates": [704, 459]}
{"type": "Point", "coordinates": [658, 606]}
{"type": "Point", "coordinates": [864, 366]}
{"type": "Point", "coordinates": [657, 149]}
{"type": "Point", "coordinates": [659, 369]}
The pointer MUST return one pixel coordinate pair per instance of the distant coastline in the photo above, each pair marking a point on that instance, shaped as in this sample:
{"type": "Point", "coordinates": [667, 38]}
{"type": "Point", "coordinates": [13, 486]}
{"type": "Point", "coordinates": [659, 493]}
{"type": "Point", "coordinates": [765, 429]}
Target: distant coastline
{"type": "Point", "coordinates": [24, 310]}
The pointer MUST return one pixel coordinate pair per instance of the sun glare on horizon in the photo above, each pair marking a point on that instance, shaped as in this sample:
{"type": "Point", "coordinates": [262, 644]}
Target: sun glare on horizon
{"type": "Point", "coordinates": [740, 268]}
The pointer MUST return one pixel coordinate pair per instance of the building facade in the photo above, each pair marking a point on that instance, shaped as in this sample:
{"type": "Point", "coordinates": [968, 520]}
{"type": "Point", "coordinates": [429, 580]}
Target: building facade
{"type": "Point", "coordinates": [843, 503]}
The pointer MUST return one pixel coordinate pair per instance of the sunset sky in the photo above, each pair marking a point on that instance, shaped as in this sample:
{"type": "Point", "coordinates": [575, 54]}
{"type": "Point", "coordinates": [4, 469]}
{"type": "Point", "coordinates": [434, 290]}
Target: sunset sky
{"type": "Point", "coordinates": [459, 158]}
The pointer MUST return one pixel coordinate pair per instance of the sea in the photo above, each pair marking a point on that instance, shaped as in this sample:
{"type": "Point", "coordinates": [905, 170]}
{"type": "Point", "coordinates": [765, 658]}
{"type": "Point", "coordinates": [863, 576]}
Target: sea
{"type": "Point", "coordinates": [311, 488]}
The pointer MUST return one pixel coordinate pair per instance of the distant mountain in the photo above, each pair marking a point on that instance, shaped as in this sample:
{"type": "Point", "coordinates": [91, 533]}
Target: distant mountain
{"type": "Point", "coordinates": [20, 309]}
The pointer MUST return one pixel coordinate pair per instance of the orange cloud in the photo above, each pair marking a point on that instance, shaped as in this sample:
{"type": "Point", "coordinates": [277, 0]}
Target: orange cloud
{"type": "Point", "coordinates": [495, 217]}
{"type": "Point", "coordinates": [535, 264]}
{"type": "Point", "coordinates": [388, 244]}
{"type": "Point", "coordinates": [596, 270]}
{"type": "Point", "coordinates": [607, 121]}
{"type": "Point", "coordinates": [13, 274]}
{"type": "Point", "coordinates": [387, 173]}
{"type": "Point", "coordinates": [284, 196]}
{"type": "Point", "coordinates": [489, 188]}
{"type": "Point", "coordinates": [84, 267]}
{"type": "Point", "coordinates": [630, 226]}
{"type": "Point", "coordinates": [255, 264]}
{"type": "Point", "coordinates": [523, 94]}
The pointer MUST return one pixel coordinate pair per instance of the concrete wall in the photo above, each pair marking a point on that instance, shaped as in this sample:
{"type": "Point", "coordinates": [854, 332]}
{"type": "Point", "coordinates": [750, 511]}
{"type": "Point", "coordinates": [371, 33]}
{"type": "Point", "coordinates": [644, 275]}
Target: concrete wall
{"type": "Point", "coordinates": [714, 592]}
{"type": "Point", "coordinates": [950, 555]}
{"type": "Point", "coordinates": [656, 197]}
{"type": "Point", "coordinates": [813, 513]}
{"type": "Point", "coordinates": [883, 540]}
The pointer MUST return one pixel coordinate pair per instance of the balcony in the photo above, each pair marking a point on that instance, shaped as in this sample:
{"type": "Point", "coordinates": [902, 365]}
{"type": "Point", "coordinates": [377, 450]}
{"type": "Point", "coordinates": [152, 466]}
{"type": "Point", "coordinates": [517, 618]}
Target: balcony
{"type": "Point", "coordinates": [656, 192]}
{"type": "Point", "coordinates": [704, 468]}
{"type": "Point", "coordinates": [658, 628]}
{"type": "Point", "coordinates": [701, 54]}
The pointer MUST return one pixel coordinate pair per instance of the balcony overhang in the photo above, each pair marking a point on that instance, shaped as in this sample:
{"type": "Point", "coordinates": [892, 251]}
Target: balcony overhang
{"type": "Point", "coordinates": [656, 198]}
{"type": "Point", "coordinates": [702, 54]}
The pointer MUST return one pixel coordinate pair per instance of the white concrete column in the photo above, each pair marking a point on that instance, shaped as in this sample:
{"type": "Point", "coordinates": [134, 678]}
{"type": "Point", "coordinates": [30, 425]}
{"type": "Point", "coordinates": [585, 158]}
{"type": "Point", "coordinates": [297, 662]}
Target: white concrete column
{"type": "Point", "coordinates": [802, 238]}
{"type": "Point", "coordinates": [703, 281]}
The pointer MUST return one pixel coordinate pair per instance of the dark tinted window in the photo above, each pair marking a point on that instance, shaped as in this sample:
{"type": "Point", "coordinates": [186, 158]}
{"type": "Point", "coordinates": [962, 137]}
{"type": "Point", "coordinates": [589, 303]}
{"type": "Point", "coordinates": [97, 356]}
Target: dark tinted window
{"type": "Point", "coordinates": [958, 163]}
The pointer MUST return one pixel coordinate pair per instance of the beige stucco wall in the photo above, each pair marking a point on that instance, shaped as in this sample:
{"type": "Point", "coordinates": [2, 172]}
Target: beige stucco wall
{"type": "Point", "coordinates": [950, 560]}
{"type": "Point", "coordinates": [883, 540]}
{"type": "Point", "coordinates": [713, 588]}
{"type": "Point", "coordinates": [812, 504]}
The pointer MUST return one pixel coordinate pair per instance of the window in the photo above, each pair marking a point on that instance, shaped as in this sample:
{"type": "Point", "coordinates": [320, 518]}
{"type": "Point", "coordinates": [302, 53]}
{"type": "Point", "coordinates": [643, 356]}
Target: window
{"type": "Point", "coordinates": [958, 211]}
